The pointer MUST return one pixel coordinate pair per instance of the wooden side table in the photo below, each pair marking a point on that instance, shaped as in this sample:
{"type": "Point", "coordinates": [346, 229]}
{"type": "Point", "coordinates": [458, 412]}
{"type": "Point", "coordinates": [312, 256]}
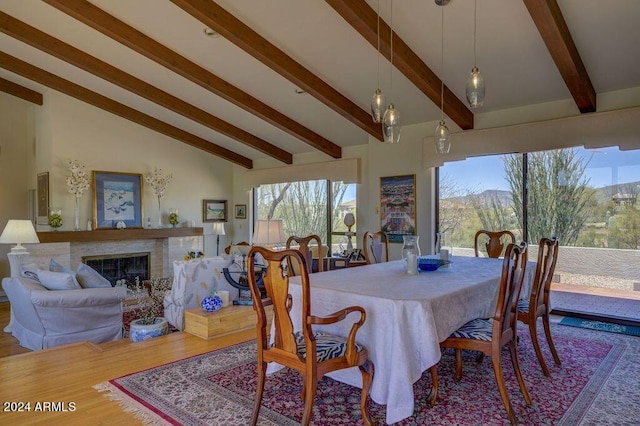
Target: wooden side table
{"type": "Point", "coordinates": [230, 319]}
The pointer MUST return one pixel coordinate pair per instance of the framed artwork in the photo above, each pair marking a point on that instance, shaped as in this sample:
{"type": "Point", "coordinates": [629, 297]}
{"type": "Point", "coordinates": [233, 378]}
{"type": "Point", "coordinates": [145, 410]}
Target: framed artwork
{"type": "Point", "coordinates": [214, 210]}
{"type": "Point", "coordinates": [241, 211]}
{"type": "Point", "coordinates": [117, 197]}
{"type": "Point", "coordinates": [398, 206]}
{"type": "Point", "coordinates": [42, 193]}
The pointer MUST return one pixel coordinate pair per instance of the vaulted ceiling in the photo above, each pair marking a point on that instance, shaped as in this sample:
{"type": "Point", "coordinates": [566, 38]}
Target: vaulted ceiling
{"type": "Point", "coordinates": [235, 95]}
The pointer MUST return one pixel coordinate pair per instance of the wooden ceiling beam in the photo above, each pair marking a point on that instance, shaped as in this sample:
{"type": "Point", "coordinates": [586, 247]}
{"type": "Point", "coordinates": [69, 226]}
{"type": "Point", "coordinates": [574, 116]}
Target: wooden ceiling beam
{"type": "Point", "coordinates": [45, 78]}
{"type": "Point", "coordinates": [365, 21]}
{"type": "Point", "coordinates": [20, 91]}
{"type": "Point", "coordinates": [57, 48]}
{"type": "Point", "coordinates": [235, 31]}
{"type": "Point", "coordinates": [547, 16]}
{"type": "Point", "coordinates": [110, 26]}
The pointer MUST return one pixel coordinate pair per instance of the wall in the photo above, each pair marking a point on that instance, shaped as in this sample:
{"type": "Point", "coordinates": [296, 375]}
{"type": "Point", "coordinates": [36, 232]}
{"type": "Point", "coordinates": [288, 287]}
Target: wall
{"type": "Point", "coordinates": [16, 157]}
{"type": "Point", "coordinates": [68, 129]}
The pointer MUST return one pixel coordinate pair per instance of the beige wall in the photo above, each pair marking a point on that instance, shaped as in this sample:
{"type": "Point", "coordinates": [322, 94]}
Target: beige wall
{"type": "Point", "coordinates": [68, 129]}
{"type": "Point", "coordinates": [16, 158]}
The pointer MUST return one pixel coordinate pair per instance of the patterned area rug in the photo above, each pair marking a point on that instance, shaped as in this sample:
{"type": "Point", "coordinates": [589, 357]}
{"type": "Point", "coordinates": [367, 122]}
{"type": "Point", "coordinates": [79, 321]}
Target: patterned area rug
{"type": "Point", "coordinates": [601, 326]}
{"type": "Point", "coordinates": [596, 384]}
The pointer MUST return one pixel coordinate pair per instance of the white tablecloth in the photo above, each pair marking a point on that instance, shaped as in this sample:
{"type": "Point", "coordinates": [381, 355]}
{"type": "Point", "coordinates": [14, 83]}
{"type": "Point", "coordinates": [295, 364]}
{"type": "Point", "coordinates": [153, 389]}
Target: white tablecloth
{"type": "Point", "coordinates": [407, 317]}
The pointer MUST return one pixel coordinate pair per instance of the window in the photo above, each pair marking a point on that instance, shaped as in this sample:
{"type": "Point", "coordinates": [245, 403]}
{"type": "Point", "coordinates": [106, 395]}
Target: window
{"type": "Point", "coordinates": [587, 198]}
{"type": "Point", "coordinates": [309, 207]}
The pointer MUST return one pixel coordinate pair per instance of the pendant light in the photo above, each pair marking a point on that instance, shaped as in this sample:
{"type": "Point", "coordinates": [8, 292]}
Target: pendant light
{"type": "Point", "coordinates": [391, 120]}
{"type": "Point", "coordinates": [378, 101]}
{"type": "Point", "coordinates": [442, 135]}
{"type": "Point", "coordinates": [475, 83]}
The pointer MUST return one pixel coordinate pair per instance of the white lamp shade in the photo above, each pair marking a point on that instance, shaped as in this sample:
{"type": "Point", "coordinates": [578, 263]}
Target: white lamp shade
{"type": "Point", "coordinates": [218, 228]}
{"type": "Point", "coordinates": [268, 232]}
{"type": "Point", "coordinates": [19, 232]}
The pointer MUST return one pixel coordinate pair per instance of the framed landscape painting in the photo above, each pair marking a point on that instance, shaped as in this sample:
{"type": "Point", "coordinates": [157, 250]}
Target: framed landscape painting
{"type": "Point", "coordinates": [398, 206]}
{"type": "Point", "coordinates": [214, 210]}
{"type": "Point", "coordinates": [117, 197]}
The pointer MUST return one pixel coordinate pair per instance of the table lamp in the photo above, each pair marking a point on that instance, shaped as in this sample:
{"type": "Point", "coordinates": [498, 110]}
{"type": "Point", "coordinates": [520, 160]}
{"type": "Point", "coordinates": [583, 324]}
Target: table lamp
{"type": "Point", "coordinates": [268, 232]}
{"type": "Point", "coordinates": [349, 221]}
{"type": "Point", "coordinates": [218, 229]}
{"type": "Point", "coordinates": [17, 232]}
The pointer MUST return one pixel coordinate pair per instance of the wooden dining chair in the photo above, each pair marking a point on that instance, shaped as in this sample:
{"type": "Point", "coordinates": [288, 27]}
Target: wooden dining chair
{"type": "Point", "coordinates": [493, 242]}
{"type": "Point", "coordinates": [490, 335]}
{"type": "Point", "coordinates": [312, 353]}
{"type": "Point", "coordinates": [538, 303]}
{"type": "Point", "coordinates": [305, 249]}
{"type": "Point", "coordinates": [376, 247]}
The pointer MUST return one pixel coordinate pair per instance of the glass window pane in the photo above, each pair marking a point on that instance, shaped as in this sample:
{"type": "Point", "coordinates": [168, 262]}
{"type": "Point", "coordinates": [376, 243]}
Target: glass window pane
{"type": "Point", "coordinates": [476, 194]}
{"type": "Point", "coordinates": [302, 206]}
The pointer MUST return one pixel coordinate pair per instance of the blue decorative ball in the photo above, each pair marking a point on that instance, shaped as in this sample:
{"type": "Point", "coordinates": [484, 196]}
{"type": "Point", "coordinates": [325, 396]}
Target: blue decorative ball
{"type": "Point", "coordinates": [211, 303]}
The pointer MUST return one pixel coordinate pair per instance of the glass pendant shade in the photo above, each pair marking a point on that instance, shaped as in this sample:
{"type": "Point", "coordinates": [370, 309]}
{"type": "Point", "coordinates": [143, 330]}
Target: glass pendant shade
{"type": "Point", "coordinates": [475, 88]}
{"type": "Point", "coordinates": [391, 125]}
{"type": "Point", "coordinates": [377, 106]}
{"type": "Point", "coordinates": [442, 138]}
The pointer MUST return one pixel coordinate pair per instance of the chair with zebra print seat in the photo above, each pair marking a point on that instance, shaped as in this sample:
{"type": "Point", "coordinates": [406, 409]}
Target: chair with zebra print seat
{"type": "Point", "coordinates": [489, 336]}
{"type": "Point", "coordinates": [291, 348]}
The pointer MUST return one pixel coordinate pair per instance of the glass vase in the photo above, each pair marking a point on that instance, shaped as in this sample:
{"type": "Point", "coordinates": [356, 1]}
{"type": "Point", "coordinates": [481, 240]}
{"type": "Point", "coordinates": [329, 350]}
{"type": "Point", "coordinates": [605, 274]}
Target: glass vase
{"type": "Point", "coordinates": [159, 225]}
{"type": "Point", "coordinates": [174, 217]}
{"type": "Point", "coordinates": [76, 224]}
{"type": "Point", "coordinates": [55, 218]}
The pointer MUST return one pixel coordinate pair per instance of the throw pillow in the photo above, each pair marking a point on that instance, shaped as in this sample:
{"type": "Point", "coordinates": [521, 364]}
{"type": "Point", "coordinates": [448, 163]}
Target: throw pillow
{"type": "Point", "coordinates": [30, 270]}
{"type": "Point", "coordinates": [57, 280]}
{"type": "Point", "coordinates": [56, 267]}
{"type": "Point", "coordinates": [90, 278]}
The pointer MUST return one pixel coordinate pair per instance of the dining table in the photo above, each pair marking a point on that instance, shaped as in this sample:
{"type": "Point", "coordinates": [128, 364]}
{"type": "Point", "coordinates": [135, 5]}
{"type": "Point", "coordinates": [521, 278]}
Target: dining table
{"type": "Point", "coordinates": [407, 316]}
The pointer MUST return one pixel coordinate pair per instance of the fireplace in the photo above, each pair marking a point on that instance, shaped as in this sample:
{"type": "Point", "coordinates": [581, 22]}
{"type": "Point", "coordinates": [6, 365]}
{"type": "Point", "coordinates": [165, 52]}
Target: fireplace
{"type": "Point", "coordinates": [118, 267]}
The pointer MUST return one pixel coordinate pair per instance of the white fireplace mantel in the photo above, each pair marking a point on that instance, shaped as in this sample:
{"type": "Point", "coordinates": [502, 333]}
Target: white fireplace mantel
{"type": "Point", "coordinates": [164, 245]}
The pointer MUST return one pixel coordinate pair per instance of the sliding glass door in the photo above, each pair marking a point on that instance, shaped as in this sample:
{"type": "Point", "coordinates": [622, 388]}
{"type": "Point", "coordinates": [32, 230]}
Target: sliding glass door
{"type": "Point", "coordinates": [586, 198]}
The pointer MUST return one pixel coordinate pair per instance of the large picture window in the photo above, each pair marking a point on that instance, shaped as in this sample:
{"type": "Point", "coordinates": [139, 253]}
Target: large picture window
{"type": "Point", "coordinates": [587, 198]}
{"type": "Point", "coordinates": [309, 207]}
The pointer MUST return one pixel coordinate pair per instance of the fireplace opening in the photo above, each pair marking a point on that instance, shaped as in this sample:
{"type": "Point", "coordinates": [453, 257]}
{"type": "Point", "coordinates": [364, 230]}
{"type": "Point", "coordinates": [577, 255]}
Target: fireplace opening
{"type": "Point", "coordinates": [119, 267]}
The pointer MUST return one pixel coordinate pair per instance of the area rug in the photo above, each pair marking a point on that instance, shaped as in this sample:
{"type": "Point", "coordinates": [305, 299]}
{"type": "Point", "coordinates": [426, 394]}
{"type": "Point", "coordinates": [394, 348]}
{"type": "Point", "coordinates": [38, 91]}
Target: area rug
{"type": "Point", "coordinates": [601, 326]}
{"type": "Point", "coordinates": [596, 384]}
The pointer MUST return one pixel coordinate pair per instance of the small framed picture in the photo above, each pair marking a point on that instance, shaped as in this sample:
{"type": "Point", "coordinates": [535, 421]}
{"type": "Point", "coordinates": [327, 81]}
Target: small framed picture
{"type": "Point", "coordinates": [117, 197]}
{"type": "Point", "coordinates": [241, 211]}
{"type": "Point", "coordinates": [214, 210]}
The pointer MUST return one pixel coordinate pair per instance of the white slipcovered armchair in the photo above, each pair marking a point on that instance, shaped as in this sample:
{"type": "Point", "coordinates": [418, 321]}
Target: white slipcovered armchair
{"type": "Point", "coordinates": [193, 280]}
{"type": "Point", "coordinates": [45, 318]}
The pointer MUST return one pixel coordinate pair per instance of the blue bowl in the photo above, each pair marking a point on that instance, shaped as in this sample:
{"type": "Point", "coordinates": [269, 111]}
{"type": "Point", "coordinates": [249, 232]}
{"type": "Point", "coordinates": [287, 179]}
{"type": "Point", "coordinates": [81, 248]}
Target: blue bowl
{"type": "Point", "coordinates": [431, 264]}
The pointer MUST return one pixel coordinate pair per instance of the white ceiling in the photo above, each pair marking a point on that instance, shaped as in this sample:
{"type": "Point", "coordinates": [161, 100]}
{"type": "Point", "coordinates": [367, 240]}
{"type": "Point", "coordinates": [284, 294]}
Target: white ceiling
{"type": "Point", "coordinates": [512, 56]}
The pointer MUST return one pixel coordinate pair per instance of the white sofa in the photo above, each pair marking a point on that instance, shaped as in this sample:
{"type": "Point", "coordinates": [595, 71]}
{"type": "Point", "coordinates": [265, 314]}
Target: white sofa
{"type": "Point", "coordinates": [193, 280]}
{"type": "Point", "coordinates": [45, 318]}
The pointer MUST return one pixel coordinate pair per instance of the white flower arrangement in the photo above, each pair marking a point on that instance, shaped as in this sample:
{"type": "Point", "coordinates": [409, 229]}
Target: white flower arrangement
{"type": "Point", "coordinates": [158, 182]}
{"type": "Point", "coordinates": [78, 181]}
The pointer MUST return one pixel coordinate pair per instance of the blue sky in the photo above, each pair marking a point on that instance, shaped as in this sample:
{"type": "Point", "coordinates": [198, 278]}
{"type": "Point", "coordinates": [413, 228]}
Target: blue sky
{"type": "Point", "coordinates": [601, 171]}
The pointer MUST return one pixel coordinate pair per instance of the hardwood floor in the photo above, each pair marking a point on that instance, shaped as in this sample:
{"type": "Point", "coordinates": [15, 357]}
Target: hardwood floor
{"type": "Point", "coordinates": [67, 374]}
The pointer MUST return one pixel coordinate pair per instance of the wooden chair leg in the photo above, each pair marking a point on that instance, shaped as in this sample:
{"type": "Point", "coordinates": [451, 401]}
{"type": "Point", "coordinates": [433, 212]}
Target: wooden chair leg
{"type": "Point", "coordinates": [367, 370]}
{"type": "Point", "coordinates": [458, 357]}
{"type": "Point", "coordinates": [536, 346]}
{"type": "Point", "coordinates": [497, 370]}
{"type": "Point", "coordinates": [262, 370]}
{"type": "Point", "coordinates": [547, 333]}
{"type": "Point", "coordinates": [516, 367]}
{"type": "Point", "coordinates": [434, 385]}
{"type": "Point", "coordinates": [310, 384]}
